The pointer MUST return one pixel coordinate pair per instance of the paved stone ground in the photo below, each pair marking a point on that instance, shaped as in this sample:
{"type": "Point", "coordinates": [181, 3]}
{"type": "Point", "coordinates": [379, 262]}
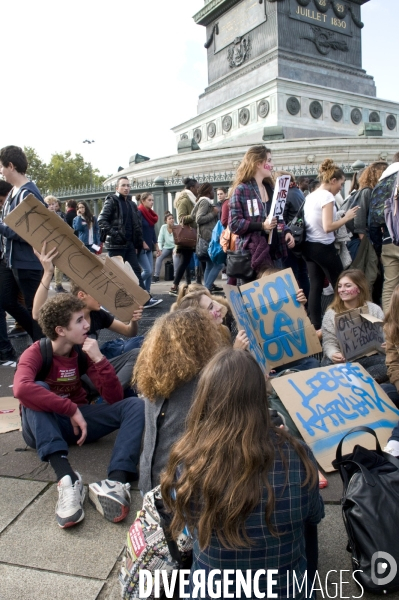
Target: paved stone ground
{"type": "Point", "coordinates": [39, 561]}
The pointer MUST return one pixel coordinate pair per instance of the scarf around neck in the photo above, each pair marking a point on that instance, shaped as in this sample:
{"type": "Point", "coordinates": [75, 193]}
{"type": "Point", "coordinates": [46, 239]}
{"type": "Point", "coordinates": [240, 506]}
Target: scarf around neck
{"type": "Point", "coordinates": [148, 214]}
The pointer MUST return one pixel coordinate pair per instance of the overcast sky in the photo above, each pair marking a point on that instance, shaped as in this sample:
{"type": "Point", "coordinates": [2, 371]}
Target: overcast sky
{"type": "Point", "coordinates": [123, 73]}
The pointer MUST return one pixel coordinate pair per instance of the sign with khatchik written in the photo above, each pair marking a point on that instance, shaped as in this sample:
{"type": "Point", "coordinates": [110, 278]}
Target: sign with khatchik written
{"type": "Point", "coordinates": [326, 403]}
{"type": "Point", "coordinates": [105, 280]}
{"type": "Point", "coordinates": [274, 320]}
{"type": "Point", "coordinates": [358, 333]}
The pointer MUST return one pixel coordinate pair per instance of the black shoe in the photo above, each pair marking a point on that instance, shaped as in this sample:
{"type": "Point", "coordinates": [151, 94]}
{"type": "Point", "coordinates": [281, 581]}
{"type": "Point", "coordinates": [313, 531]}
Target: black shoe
{"type": "Point", "coordinates": [174, 290]}
{"type": "Point", "coordinates": [216, 288]}
{"type": "Point", "coordinates": [7, 356]}
{"type": "Point", "coordinates": [16, 332]}
{"type": "Point", "coordinates": [155, 279]}
{"type": "Point", "coordinates": [60, 290]}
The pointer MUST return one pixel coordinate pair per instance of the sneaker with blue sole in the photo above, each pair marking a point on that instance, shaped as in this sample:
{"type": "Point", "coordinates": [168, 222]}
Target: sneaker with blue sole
{"type": "Point", "coordinates": [111, 499]}
{"type": "Point", "coordinates": [152, 302]}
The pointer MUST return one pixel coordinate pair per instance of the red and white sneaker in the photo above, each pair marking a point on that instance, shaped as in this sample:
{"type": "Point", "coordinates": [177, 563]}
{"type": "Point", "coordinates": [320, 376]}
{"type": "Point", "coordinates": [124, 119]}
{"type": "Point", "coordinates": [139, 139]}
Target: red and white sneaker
{"type": "Point", "coordinates": [111, 499]}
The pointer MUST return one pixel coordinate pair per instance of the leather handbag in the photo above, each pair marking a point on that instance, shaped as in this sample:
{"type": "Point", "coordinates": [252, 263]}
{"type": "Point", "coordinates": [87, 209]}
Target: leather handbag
{"type": "Point", "coordinates": [201, 249]}
{"type": "Point", "coordinates": [238, 265]}
{"type": "Point", "coordinates": [370, 509]}
{"type": "Point", "coordinates": [185, 236]}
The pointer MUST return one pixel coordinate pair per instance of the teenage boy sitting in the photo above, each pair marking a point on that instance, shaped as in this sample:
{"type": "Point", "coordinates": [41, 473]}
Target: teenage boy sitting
{"type": "Point", "coordinates": [55, 413]}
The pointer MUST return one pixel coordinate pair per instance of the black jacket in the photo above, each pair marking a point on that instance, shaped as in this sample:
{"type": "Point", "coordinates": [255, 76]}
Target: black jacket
{"type": "Point", "coordinates": [112, 225]}
{"type": "Point", "coordinates": [293, 203]}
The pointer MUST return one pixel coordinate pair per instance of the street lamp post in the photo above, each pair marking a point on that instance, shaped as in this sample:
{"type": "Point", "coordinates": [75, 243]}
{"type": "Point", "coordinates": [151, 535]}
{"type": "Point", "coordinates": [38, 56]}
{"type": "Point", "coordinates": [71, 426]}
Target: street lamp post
{"type": "Point", "coordinates": [91, 178]}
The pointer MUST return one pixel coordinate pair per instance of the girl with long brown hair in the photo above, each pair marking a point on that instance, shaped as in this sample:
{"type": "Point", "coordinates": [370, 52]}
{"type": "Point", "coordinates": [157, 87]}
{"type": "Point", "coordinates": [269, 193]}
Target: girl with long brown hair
{"type": "Point", "coordinates": [244, 488]}
{"type": "Point", "coordinates": [86, 226]}
{"type": "Point", "coordinates": [351, 291]}
{"type": "Point", "coordinates": [250, 205]}
{"type": "Point", "coordinates": [391, 330]}
{"type": "Point", "coordinates": [175, 350]}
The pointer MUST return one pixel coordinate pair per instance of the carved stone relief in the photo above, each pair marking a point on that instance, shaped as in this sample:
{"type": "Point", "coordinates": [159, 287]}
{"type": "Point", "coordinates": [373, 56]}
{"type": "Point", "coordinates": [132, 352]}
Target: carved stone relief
{"type": "Point", "coordinates": [239, 51]}
{"type": "Point", "coordinates": [243, 116]}
{"type": "Point", "coordinates": [356, 116]}
{"type": "Point", "coordinates": [211, 129]}
{"type": "Point", "coordinates": [184, 136]}
{"type": "Point", "coordinates": [263, 108]}
{"type": "Point", "coordinates": [337, 113]}
{"type": "Point", "coordinates": [374, 117]}
{"type": "Point", "coordinates": [391, 122]}
{"type": "Point", "coordinates": [293, 105]}
{"type": "Point", "coordinates": [197, 135]}
{"type": "Point", "coordinates": [316, 109]}
{"type": "Point", "coordinates": [227, 123]}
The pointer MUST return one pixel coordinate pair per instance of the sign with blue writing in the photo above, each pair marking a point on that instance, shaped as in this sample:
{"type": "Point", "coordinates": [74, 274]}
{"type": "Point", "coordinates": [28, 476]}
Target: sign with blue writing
{"type": "Point", "coordinates": [273, 318]}
{"type": "Point", "coordinates": [326, 403]}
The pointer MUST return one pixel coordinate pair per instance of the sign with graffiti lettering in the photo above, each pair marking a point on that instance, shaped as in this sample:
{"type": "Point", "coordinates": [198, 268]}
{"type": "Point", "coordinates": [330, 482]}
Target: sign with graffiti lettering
{"type": "Point", "coordinates": [326, 403]}
{"type": "Point", "coordinates": [274, 320]}
{"type": "Point", "coordinates": [358, 333]}
{"type": "Point", "coordinates": [105, 280]}
{"type": "Point", "coordinates": [279, 200]}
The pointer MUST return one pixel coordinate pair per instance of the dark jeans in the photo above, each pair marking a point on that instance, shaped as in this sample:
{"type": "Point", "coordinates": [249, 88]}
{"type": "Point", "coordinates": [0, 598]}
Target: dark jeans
{"type": "Point", "coordinates": [298, 265]}
{"type": "Point", "coordinates": [49, 432]}
{"type": "Point", "coordinates": [392, 393]}
{"type": "Point", "coordinates": [322, 261]}
{"type": "Point", "coordinates": [5, 344]}
{"type": "Point", "coordinates": [302, 364]}
{"type": "Point", "coordinates": [185, 255]}
{"type": "Point", "coordinates": [129, 255]}
{"type": "Point", "coordinates": [27, 281]}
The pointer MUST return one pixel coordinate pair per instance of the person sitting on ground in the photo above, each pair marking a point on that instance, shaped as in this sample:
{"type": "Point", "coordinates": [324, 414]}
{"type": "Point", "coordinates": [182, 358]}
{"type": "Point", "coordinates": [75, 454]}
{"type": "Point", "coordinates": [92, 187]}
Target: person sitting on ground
{"type": "Point", "coordinates": [55, 412]}
{"type": "Point", "coordinates": [351, 291]}
{"type": "Point", "coordinates": [175, 350]}
{"type": "Point", "coordinates": [391, 332]}
{"type": "Point", "coordinates": [86, 226]}
{"type": "Point", "coordinates": [246, 490]}
{"type": "Point", "coordinates": [166, 244]}
{"type": "Point", "coordinates": [121, 353]}
{"type": "Point", "coordinates": [203, 300]}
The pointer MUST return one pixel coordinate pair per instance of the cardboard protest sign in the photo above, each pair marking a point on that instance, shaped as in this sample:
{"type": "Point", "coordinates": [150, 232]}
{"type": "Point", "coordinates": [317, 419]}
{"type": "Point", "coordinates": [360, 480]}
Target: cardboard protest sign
{"type": "Point", "coordinates": [358, 333]}
{"type": "Point", "coordinates": [9, 415]}
{"type": "Point", "coordinates": [270, 314]}
{"type": "Point", "coordinates": [279, 199]}
{"type": "Point", "coordinates": [106, 281]}
{"type": "Point", "coordinates": [326, 403]}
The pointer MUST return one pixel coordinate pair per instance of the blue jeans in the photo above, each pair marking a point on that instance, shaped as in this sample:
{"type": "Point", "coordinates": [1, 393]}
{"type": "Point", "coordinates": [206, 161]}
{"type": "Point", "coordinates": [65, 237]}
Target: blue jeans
{"type": "Point", "coordinates": [165, 253]}
{"type": "Point", "coordinates": [145, 262]}
{"type": "Point", "coordinates": [212, 270]}
{"type": "Point", "coordinates": [114, 348]}
{"type": "Point", "coordinates": [391, 392]}
{"type": "Point", "coordinates": [49, 432]}
{"type": "Point", "coordinates": [302, 364]}
{"type": "Point", "coordinates": [129, 255]}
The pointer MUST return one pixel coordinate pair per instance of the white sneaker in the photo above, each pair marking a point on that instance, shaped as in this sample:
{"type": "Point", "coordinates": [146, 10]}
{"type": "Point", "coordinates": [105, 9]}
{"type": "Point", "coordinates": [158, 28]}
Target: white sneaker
{"type": "Point", "coordinates": [224, 276]}
{"type": "Point", "coordinates": [111, 499]}
{"type": "Point", "coordinates": [390, 449]}
{"type": "Point", "coordinates": [327, 291]}
{"type": "Point", "coordinates": [69, 509]}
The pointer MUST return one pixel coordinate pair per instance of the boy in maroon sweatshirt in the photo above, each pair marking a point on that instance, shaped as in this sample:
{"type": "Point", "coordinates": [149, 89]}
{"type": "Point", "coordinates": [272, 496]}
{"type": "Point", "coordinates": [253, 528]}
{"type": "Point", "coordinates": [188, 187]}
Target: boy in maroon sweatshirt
{"type": "Point", "coordinates": [55, 413]}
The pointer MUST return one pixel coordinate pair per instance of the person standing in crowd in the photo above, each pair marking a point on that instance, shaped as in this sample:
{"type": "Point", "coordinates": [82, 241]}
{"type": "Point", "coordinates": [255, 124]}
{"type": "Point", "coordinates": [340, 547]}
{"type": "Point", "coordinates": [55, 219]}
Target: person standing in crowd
{"type": "Point", "coordinates": [206, 215]}
{"type": "Point", "coordinates": [166, 245]}
{"type": "Point", "coordinates": [320, 253]}
{"type": "Point", "coordinates": [244, 488]}
{"type": "Point", "coordinates": [52, 204]}
{"type": "Point", "coordinates": [71, 213]}
{"type": "Point", "coordinates": [184, 204]}
{"type": "Point", "coordinates": [221, 194]}
{"type": "Point", "coordinates": [7, 352]}
{"type": "Point", "coordinates": [303, 185]}
{"type": "Point", "coordinates": [120, 222]}
{"type": "Point", "coordinates": [166, 372]}
{"type": "Point", "coordinates": [351, 291]}
{"type": "Point", "coordinates": [149, 218]}
{"type": "Point", "coordinates": [85, 224]}
{"type": "Point", "coordinates": [250, 203]}
{"type": "Point", "coordinates": [389, 251]}
{"type": "Point", "coordinates": [20, 270]}
{"type": "Point", "coordinates": [295, 260]}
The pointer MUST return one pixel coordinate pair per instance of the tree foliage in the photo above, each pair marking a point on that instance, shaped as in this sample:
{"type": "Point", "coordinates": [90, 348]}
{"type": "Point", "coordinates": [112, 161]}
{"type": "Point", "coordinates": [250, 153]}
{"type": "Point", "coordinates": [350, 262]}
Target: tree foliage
{"type": "Point", "coordinates": [63, 171]}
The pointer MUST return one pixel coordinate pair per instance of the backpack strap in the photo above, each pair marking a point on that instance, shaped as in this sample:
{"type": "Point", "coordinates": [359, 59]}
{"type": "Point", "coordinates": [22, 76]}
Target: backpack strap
{"type": "Point", "coordinates": [46, 350]}
{"type": "Point", "coordinates": [82, 360]}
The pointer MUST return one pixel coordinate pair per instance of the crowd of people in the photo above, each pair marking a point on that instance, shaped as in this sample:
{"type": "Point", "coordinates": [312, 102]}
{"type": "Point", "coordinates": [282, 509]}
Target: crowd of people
{"type": "Point", "coordinates": [188, 399]}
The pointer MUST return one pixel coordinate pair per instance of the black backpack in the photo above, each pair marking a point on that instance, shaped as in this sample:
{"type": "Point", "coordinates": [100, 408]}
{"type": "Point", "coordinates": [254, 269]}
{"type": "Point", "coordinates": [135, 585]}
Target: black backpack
{"type": "Point", "coordinates": [370, 509]}
{"type": "Point", "coordinates": [46, 350]}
